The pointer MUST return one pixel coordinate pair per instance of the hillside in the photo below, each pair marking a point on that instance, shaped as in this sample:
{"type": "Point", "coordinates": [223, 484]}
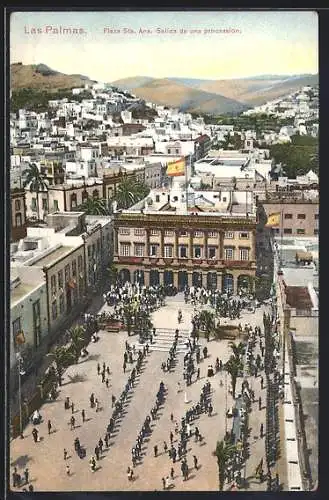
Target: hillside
{"type": "Point", "coordinates": [131, 83]}
{"type": "Point", "coordinates": [42, 77]}
{"type": "Point", "coordinates": [199, 95]}
{"type": "Point", "coordinates": [170, 93]}
{"type": "Point", "coordinates": [280, 89]}
{"type": "Point", "coordinates": [256, 90]}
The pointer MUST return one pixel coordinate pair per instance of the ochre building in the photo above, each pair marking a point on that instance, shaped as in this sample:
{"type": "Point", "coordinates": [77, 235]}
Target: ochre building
{"type": "Point", "coordinates": [213, 251]}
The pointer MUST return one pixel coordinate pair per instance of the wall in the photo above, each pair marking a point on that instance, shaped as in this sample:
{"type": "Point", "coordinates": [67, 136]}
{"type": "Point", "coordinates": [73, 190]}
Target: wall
{"type": "Point", "coordinates": [24, 309]}
{"type": "Point", "coordinates": [309, 224]}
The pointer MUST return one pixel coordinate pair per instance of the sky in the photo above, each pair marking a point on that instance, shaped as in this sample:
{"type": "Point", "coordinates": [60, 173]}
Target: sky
{"type": "Point", "coordinates": [257, 43]}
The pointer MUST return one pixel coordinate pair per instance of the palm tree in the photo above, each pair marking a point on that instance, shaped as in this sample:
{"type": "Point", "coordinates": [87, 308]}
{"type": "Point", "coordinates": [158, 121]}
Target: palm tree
{"type": "Point", "coordinates": [207, 321]}
{"type": "Point", "coordinates": [78, 339]}
{"type": "Point", "coordinates": [233, 366]}
{"type": "Point", "coordinates": [36, 182]}
{"type": "Point", "coordinates": [95, 206]}
{"type": "Point", "coordinates": [224, 452]}
{"type": "Point", "coordinates": [113, 272]}
{"type": "Point", "coordinates": [238, 349]}
{"type": "Point", "coordinates": [130, 192]}
{"type": "Point", "coordinates": [63, 358]}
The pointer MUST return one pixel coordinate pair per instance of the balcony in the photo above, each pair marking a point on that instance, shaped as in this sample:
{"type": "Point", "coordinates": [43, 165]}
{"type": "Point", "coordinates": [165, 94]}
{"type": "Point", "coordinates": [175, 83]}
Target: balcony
{"type": "Point", "coordinates": [130, 260]}
{"type": "Point", "coordinates": [238, 263]}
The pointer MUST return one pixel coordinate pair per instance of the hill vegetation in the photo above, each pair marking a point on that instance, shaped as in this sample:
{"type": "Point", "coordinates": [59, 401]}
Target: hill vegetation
{"type": "Point", "coordinates": [40, 76]}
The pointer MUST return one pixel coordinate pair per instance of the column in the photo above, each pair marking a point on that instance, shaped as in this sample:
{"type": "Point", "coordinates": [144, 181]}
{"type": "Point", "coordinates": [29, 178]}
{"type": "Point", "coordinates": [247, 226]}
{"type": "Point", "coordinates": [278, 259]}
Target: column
{"type": "Point", "coordinates": [175, 278]}
{"type": "Point", "coordinates": [189, 278]}
{"type": "Point", "coordinates": [219, 281]}
{"type": "Point", "coordinates": [176, 256]}
{"type": "Point", "coordinates": [161, 243]}
{"type": "Point", "coordinates": [146, 277]}
{"type": "Point", "coordinates": [190, 245]}
{"type": "Point", "coordinates": [235, 282]}
{"type": "Point", "coordinates": [147, 242]}
{"type": "Point", "coordinates": [116, 241]}
{"type": "Point", "coordinates": [221, 244]}
{"type": "Point", "coordinates": [253, 245]}
{"type": "Point", "coordinates": [205, 245]}
{"type": "Point", "coordinates": [161, 277]}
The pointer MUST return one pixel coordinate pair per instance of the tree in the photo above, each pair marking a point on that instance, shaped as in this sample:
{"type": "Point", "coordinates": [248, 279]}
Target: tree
{"type": "Point", "coordinates": [113, 272]}
{"type": "Point", "coordinates": [36, 182]}
{"type": "Point", "coordinates": [207, 322]}
{"type": "Point", "coordinates": [224, 452]}
{"type": "Point", "coordinates": [63, 358]}
{"type": "Point", "coordinates": [237, 349]}
{"type": "Point", "coordinates": [233, 366]}
{"type": "Point", "coordinates": [95, 206]}
{"type": "Point", "coordinates": [130, 192]}
{"type": "Point", "coordinates": [78, 339]}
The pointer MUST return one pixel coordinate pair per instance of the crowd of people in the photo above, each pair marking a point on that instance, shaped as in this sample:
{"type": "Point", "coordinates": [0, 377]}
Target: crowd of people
{"type": "Point", "coordinates": [224, 303]}
{"type": "Point", "coordinates": [145, 431]}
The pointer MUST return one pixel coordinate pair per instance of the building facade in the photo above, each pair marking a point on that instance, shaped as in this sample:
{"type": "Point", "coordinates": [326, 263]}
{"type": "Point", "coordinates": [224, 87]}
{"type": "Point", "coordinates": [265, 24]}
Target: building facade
{"type": "Point", "coordinates": [297, 217]}
{"type": "Point", "coordinates": [193, 249]}
{"type": "Point", "coordinates": [18, 214]}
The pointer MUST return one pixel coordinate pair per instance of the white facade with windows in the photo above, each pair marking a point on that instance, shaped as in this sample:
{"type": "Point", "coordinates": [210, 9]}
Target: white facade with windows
{"type": "Point", "coordinates": [28, 314]}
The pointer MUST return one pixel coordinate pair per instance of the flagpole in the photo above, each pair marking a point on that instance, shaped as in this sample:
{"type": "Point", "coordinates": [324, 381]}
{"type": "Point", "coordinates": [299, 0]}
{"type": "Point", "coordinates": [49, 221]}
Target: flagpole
{"type": "Point", "coordinates": [186, 196]}
{"type": "Point", "coordinates": [281, 231]}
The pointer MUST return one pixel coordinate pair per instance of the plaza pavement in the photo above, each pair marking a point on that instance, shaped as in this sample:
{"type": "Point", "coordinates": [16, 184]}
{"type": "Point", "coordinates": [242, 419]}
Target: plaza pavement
{"type": "Point", "coordinates": [45, 458]}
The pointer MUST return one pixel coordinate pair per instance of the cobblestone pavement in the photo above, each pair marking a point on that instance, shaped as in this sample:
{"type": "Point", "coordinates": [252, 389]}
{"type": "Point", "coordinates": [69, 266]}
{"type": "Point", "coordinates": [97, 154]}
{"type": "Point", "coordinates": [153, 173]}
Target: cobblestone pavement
{"type": "Point", "coordinates": [45, 458]}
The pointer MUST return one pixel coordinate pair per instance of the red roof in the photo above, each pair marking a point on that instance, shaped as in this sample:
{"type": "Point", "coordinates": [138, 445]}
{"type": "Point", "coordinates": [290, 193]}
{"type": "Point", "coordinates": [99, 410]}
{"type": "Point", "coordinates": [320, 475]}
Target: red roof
{"type": "Point", "coordinates": [202, 138]}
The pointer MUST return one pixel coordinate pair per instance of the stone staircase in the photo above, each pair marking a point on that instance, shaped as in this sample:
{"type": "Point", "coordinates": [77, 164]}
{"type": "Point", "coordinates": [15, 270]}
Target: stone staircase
{"type": "Point", "coordinates": [164, 339]}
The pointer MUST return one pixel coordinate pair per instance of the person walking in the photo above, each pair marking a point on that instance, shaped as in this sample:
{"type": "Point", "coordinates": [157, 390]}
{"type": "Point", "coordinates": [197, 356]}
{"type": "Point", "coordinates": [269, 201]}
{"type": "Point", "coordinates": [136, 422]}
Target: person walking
{"type": "Point", "coordinates": [195, 460]}
{"type": "Point", "coordinates": [97, 405]}
{"type": "Point", "coordinates": [100, 445]}
{"type": "Point", "coordinates": [107, 382]}
{"type": "Point", "coordinates": [83, 415]}
{"type": "Point", "coordinates": [65, 454]}
{"type": "Point", "coordinates": [172, 473]}
{"type": "Point", "coordinates": [49, 426]}
{"type": "Point", "coordinates": [98, 368]}
{"type": "Point", "coordinates": [14, 476]}
{"type": "Point", "coordinates": [26, 475]}
{"type": "Point", "coordinates": [155, 451]}
{"type": "Point", "coordinates": [163, 483]}
{"type": "Point", "coordinates": [261, 383]}
{"type": "Point", "coordinates": [31, 488]}
{"type": "Point", "coordinates": [113, 400]}
{"type": "Point", "coordinates": [171, 437]}
{"type": "Point", "coordinates": [96, 452]}
{"type": "Point", "coordinates": [35, 434]}
{"type": "Point", "coordinates": [198, 374]}
{"type": "Point", "coordinates": [261, 430]}
{"type": "Point", "coordinates": [259, 403]}
{"type": "Point", "coordinates": [106, 440]}
{"type": "Point", "coordinates": [165, 447]}
{"type": "Point", "coordinates": [124, 367]}
{"type": "Point", "coordinates": [172, 417]}
{"type": "Point", "coordinates": [72, 407]}
{"type": "Point", "coordinates": [92, 463]}
{"type": "Point", "coordinates": [68, 470]}
{"type": "Point", "coordinates": [103, 377]}
{"type": "Point", "coordinates": [72, 422]}
{"type": "Point", "coordinates": [108, 370]}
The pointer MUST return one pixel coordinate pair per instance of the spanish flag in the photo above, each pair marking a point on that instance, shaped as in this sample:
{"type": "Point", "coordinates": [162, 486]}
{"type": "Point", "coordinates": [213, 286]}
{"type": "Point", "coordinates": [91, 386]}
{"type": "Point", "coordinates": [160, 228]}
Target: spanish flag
{"type": "Point", "coordinates": [273, 220]}
{"type": "Point", "coordinates": [176, 168]}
